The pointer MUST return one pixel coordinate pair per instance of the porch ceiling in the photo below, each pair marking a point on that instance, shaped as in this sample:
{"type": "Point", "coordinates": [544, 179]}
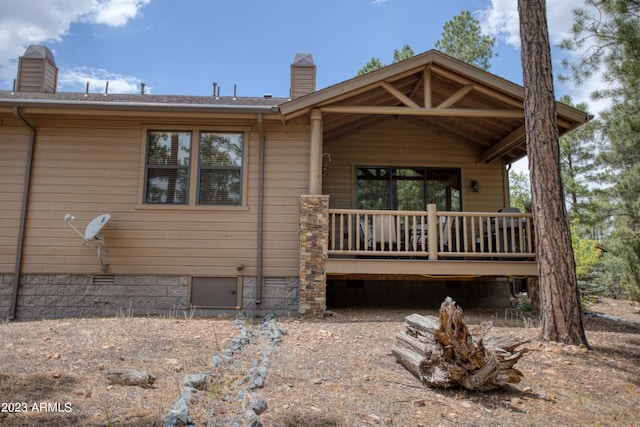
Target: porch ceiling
{"type": "Point", "coordinates": [436, 92]}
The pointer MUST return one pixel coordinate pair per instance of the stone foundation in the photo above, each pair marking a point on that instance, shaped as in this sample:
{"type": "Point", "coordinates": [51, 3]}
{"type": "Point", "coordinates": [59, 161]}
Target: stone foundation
{"type": "Point", "coordinates": [43, 296]}
{"type": "Point", "coordinates": [280, 295]}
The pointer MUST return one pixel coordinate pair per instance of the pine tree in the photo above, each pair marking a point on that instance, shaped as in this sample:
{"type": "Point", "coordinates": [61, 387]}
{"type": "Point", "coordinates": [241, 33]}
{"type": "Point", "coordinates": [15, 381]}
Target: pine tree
{"type": "Point", "coordinates": [612, 27]}
{"type": "Point", "coordinates": [560, 306]}
{"type": "Point", "coordinates": [462, 38]}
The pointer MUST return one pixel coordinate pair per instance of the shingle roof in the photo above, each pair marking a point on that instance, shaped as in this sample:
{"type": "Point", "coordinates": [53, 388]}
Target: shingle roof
{"type": "Point", "coordinates": [124, 99]}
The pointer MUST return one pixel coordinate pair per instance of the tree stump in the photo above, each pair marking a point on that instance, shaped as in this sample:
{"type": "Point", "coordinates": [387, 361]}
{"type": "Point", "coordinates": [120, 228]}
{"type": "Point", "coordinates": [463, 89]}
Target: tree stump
{"type": "Point", "coordinates": [443, 353]}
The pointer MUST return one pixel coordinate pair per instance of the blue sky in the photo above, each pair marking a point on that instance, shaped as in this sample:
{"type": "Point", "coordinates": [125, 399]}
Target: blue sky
{"type": "Point", "coordinates": [182, 47]}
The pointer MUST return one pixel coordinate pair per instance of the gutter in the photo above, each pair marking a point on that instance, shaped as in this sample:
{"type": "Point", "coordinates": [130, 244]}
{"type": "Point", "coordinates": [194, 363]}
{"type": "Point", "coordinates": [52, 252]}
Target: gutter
{"type": "Point", "coordinates": [23, 214]}
{"type": "Point", "coordinates": [260, 210]}
{"type": "Point", "coordinates": [141, 106]}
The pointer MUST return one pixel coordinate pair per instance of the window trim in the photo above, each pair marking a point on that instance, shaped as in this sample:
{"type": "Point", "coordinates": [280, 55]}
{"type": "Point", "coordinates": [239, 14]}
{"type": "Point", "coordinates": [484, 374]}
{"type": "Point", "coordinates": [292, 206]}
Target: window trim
{"type": "Point", "coordinates": [193, 174]}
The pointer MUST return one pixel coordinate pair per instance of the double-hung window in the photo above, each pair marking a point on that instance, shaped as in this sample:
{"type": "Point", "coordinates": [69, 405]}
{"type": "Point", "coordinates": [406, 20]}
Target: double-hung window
{"type": "Point", "coordinates": [168, 161]}
{"type": "Point", "coordinates": [216, 167]}
{"type": "Point", "coordinates": [220, 168]}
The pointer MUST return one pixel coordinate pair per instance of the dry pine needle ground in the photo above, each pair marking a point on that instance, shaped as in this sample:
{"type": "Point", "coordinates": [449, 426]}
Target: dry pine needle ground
{"type": "Point", "coordinates": [333, 372]}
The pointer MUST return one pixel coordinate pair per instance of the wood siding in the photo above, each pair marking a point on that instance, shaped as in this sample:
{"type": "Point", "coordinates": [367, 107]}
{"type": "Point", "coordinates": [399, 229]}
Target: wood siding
{"type": "Point", "coordinates": [303, 80]}
{"type": "Point", "coordinates": [89, 167]}
{"type": "Point", "coordinates": [399, 143]}
{"type": "Point", "coordinates": [13, 159]}
{"type": "Point", "coordinates": [36, 75]}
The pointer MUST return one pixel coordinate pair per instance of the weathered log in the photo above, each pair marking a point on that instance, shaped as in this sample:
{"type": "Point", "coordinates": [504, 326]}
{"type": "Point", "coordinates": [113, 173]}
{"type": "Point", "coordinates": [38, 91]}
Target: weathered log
{"type": "Point", "coordinates": [130, 377]}
{"type": "Point", "coordinates": [408, 358]}
{"type": "Point", "coordinates": [443, 352]}
{"type": "Point", "coordinates": [415, 344]}
{"type": "Point", "coordinates": [429, 324]}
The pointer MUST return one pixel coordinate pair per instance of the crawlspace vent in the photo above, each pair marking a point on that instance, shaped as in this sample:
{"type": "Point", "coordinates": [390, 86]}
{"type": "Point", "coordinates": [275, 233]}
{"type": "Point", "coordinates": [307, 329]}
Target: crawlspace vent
{"type": "Point", "coordinates": [102, 280]}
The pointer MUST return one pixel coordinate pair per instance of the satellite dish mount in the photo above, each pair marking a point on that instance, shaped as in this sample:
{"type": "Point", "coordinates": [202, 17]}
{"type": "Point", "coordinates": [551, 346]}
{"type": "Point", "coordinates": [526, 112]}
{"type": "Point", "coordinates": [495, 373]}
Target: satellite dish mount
{"type": "Point", "coordinates": [92, 235]}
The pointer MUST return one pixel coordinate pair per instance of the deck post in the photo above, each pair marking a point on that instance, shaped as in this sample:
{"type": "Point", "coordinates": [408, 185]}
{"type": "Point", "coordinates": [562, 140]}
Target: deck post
{"type": "Point", "coordinates": [315, 158]}
{"type": "Point", "coordinates": [314, 249]}
{"type": "Point", "coordinates": [432, 232]}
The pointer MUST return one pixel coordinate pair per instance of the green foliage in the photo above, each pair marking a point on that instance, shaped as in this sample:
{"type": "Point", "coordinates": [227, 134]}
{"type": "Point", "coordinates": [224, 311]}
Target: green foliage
{"type": "Point", "coordinates": [462, 38]}
{"type": "Point", "coordinates": [519, 189]}
{"type": "Point", "coordinates": [372, 65]}
{"type": "Point", "coordinates": [398, 55]}
{"type": "Point", "coordinates": [588, 258]}
{"type": "Point", "coordinates": [401, 55]}
{"type": "Point", "coordinates": [607, 32]}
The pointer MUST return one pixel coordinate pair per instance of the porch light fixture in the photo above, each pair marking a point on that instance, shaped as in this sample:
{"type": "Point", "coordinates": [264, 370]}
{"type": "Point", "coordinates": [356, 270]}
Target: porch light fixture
{"type": "Point", "coordinates": [325, 165]}
{"type": "Point", "coordinates": [475, 186]}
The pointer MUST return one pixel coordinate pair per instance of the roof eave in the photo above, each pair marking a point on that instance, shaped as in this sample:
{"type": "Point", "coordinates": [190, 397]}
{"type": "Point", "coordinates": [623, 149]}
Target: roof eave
{"type": "Point", "coordinates": [139, 106]}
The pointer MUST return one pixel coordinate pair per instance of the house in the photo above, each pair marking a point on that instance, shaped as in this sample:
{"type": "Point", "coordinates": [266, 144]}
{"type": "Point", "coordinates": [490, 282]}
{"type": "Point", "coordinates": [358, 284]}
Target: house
{"type": "Point", "coordinates": [388, 188]}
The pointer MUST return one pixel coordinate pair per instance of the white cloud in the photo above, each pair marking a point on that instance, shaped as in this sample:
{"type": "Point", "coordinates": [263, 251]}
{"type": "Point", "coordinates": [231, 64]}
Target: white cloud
{"type": "Point", "coordinates": [378, 2]}
{"type": "Point", "coordinates": [502, 21]}
{"type": "Point", "coordinates": [76, 79]}
{"type": "Point", "coordinates": [46, 21]}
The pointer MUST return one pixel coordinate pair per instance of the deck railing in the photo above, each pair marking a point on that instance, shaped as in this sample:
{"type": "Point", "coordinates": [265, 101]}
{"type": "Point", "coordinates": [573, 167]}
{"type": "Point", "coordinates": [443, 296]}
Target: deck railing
{"type": "Point", "coordinates": [408, 234]}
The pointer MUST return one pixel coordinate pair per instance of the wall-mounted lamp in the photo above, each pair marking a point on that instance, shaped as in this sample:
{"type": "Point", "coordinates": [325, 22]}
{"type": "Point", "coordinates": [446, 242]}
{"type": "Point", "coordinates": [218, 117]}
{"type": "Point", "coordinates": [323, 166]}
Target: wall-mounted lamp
{"type": "Point", "coordinates": [475, 186]}
{"type": "Point", "coordinates": [325, 164]}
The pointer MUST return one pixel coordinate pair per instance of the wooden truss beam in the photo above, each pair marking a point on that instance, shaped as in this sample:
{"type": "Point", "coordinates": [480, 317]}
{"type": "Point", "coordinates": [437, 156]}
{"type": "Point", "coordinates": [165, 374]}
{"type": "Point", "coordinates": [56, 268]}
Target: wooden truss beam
{"type": "Point", "coordinates": [434, 112]}
{"type": "Point", "coordinates": [504, 146]}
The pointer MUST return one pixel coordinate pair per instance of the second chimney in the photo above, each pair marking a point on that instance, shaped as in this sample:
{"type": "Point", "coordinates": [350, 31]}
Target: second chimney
{"type": "Point", "coordinates": [37, 71]}
{"type": "Point", "coordinates": [303, 75]}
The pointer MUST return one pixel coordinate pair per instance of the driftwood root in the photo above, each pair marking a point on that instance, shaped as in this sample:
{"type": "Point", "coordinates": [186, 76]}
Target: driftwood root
{"type": "Point", "coordinates": [443, 352]}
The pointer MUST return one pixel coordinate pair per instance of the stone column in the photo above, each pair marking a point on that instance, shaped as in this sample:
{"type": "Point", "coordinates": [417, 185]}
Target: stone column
{"type": "Point", "coordinates": [314, 244]}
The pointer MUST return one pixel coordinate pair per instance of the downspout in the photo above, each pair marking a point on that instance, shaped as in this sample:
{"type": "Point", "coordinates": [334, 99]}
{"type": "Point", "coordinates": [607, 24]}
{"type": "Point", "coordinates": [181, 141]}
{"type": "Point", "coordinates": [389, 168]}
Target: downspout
{"type": "Point", "coordinates": [260, 209]}
{"type": "Point", "coordinates": [23, 214]}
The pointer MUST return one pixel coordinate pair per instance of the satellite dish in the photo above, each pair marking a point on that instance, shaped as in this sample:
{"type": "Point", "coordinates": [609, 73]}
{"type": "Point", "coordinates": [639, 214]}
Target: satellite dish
{"type": "Point", "coordinates": [95, 226]}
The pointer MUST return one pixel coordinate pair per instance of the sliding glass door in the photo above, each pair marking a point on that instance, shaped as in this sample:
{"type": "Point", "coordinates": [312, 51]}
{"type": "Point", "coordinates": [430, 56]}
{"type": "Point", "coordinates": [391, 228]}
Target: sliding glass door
{"type": "Point", "coordinates": [407, 188]}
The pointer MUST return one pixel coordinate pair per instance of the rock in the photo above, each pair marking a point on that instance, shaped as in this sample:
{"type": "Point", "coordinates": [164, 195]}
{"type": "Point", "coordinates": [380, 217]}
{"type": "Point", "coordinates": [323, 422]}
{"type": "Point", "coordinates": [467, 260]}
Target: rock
{"type": "Point", "coordinates": [255, 403]}
{"type": "Point", "coordinates": [197, 381]}
{"type": "Point", "coordinates": [217, 361]}
{"type": "Point", "coordinates": [179, 415]}
{"type": "Point", "coordinates": [257, 375]}
{"type": "Point", "coordinates": [188, 395]}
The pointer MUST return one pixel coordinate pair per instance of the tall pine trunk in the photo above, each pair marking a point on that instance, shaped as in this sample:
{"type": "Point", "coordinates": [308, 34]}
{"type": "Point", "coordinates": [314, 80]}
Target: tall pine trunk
{"type": "Point", "coordinates": [560, 307]}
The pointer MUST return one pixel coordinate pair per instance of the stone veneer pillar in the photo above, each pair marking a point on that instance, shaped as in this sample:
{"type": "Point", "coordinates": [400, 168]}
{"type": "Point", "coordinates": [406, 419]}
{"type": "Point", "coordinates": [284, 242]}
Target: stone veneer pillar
{"type": "Point", "coordinates": [314, 244]}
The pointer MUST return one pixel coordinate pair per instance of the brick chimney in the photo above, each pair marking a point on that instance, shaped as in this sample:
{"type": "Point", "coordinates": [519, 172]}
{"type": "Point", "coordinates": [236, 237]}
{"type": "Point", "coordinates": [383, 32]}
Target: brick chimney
{"type": "Point", "coordinates": [303, 75]}
{"type": "Point", "coordinates": [37, 71]}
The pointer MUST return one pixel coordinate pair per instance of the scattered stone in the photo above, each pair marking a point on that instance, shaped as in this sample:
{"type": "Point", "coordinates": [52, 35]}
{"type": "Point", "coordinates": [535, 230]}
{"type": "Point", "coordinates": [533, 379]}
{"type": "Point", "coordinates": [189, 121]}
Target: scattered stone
{"type": "Point", "coordinates": [255, 403]}
{"type": "Point", "coordinates": [179, 415]}
{"type": "Point", "coordinates": [196, 381]}
{"type": "Point", "coordinates": [217, 361]}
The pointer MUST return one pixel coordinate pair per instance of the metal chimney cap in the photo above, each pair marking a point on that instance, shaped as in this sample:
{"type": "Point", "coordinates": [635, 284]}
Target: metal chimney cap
{"type": "Point", "coordinates": [303, 60]}
{"type": "Point", "coordinates": [40, 52]}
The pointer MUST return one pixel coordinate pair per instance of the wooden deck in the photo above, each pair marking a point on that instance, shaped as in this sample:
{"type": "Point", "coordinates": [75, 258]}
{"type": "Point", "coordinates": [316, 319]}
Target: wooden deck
{"type": "Point", "coordinates": [430, 243]}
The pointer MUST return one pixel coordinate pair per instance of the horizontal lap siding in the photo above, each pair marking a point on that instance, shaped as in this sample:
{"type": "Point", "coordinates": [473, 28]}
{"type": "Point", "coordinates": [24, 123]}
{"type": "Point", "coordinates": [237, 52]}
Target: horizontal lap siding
{"type": "Point", "coordinates": [286, 179]}
{"type": "Point", "coordinates": [95, 168]}
{"type": "Point", "coordinates": [13, 159]}
{"type": "Point", "coordinates": [398, 143]}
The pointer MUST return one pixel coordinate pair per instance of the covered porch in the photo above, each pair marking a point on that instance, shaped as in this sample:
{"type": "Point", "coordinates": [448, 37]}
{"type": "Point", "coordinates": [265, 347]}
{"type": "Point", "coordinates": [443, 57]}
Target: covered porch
{"type": "Point", "coordinates": [408, 172]}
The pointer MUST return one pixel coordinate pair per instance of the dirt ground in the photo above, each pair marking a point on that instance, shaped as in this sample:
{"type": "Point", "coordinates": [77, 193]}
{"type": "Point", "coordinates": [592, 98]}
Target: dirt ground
{"type": "Point", "coordinates": [333, 372]}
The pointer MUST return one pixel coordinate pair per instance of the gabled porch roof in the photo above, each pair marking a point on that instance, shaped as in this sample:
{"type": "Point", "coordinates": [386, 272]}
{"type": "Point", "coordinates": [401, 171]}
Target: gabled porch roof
{"type": "Point", "coordinates": [434, 91]}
